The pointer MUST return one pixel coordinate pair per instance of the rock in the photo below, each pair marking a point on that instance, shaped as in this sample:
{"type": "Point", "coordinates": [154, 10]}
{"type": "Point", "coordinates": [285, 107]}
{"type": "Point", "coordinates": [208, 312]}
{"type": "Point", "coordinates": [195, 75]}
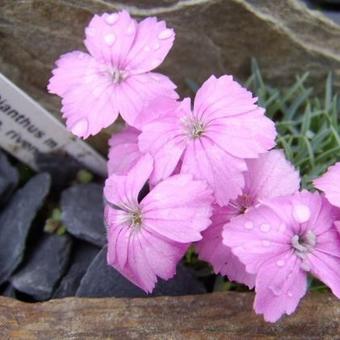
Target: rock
{"type": "Point", "coordinates": [83, 254]}
{"type": "Point", "coordinates": [83, 212]}
{"type": "Point", "coordinates": [46, 264]}
{"type": "Point", "coordinates": [102, 280]}
{"type": "Point", "coordinates": [212, 37]}
{"type": "Point", "coordinates": [227, 315]}
{"type": "Point", "coordinates": [8, 291]}
{"type": "Point", "coordinates": [9, 178]}
{"type": "Point", "coordinates": [61, 175]}
{"type": "Point", "coordinates": [15, 222]}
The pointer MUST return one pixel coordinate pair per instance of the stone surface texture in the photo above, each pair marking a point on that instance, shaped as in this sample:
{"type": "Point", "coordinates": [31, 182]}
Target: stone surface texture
{"type": "Point", "coordinates": [101, 280]}
{"type": "Point", "coordinates": [15, 222]}
{"type": "Point", "coordinates": [38, 276]}
{"type": "Point", "coordinates": [213, 37]}
{"type": "Point", "coordinates": [83, 212]}
{"type": "Point", "coordinates": [208, 316]}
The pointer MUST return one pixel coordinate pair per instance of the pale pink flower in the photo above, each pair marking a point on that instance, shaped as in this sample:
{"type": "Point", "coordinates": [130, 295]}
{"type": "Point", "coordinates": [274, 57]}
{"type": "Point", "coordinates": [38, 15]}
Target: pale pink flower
{"type": "Point", "coordinates": [146, 239]}
{"type": "Point", "coordinates": [329, 183]}
{"type": "Point", "coordinates": [270, 175]}
{"type": "Point", "coordinates": [283, 240]}
{"type": "Point", "coordinates": [115, 76]}
{"type": "Point", "coordinates": [213, 140]}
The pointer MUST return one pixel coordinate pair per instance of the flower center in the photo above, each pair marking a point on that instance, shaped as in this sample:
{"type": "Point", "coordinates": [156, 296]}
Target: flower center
{"type": "Point", "coordinates": [136, 219]}
{"type": "Point", "coordinates": [303, 244]}
{"type": "Point", "coordinates": [242, 203]}
{"type": "Point", "coordinates": [197, 129]}
{"type": "Point", "coordinates": [117, 76]}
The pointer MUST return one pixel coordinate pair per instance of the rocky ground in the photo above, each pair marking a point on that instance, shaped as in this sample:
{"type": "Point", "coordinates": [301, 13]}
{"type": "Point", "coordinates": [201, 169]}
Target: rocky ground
{"type": "Point", "coordinates": [40, 260]}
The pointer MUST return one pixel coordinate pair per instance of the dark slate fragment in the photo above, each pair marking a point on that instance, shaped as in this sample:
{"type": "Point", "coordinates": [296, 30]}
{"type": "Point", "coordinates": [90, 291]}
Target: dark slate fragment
{"type": "Point", "coordinates": [8, 291]}
{"type": "Point", "coordinates": [15, 222]}
{"type": "Point", "coordinates": [9, 178]}
{"type": "Point", "coordinates": [102, 280]}
{"type": "Point", "coordinates": [47, 263]}
{"type": "Point", "coordinates": [82, 212]}
{"type": "Point", "coordinates": [83, 255]}
{"type": "Point", "coordinates": [62, 168]}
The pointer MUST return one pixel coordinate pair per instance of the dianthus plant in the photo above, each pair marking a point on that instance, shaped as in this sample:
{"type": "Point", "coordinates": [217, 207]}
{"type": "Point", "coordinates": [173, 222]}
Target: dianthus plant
{"type": "Point", "coordinates": [202, 172]}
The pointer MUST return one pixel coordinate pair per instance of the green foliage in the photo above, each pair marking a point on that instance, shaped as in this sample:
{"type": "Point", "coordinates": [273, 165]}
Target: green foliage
{"type": "Point", "coordinates": [308, 125]}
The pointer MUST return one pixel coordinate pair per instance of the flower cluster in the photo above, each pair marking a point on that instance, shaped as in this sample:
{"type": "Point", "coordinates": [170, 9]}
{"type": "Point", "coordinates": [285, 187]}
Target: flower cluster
{"type": "Point", "coordinates": [204, 173]}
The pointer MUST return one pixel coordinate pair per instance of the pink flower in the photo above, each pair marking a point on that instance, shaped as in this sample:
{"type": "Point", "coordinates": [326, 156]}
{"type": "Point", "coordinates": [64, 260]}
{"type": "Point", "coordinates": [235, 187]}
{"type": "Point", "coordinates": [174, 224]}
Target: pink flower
{"type": "Point", "coordinates": [283, 240]}
{"type": "Point", "coordinates": [146, 239]}
{"type": "Point", "coordinates": [329, 183]}
{"type": "Point", "coordinates": [115, 77]}
{"type": "Point", "coordinates": [213, 140]}
{"type": "Point", "coordinates": [271, 175]}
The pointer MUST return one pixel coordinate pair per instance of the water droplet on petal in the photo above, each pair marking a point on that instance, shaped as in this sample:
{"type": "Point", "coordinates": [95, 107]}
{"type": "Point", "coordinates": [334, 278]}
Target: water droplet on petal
{"type": "Point", "coordinates": [80, 127]}
{"type": "Point", "coordinates": [130, 29]}
{"type": "Point", "coordinates": [112, 18]}
{"type": "Point", "coordinates": [305, 266]}
{"type": "Point", "coordinates": [156, 46]}
{"type": "Point", "coordinates": [89, 31]}
{"type": "Point", "coordinates": [266, 243]}
{"type": "Point", "coordinates": [290, 294]}
{"type": "Point", "coordinates": [109, 39]}
{"type": "Point", "coordinates": [265, 227]}
{"type": "Point", "coordinates": [277, 291]}
{"type": "Point", "coordinates": [147, 49]}
{"type": "Point", "coordinates": [166, 34]}
{"type": "Point", "coordinates": [301, 213]}
{"type": "Point", "coordinates": [280, 263]}
{"type": "Point", "coordinates": [249, 225]}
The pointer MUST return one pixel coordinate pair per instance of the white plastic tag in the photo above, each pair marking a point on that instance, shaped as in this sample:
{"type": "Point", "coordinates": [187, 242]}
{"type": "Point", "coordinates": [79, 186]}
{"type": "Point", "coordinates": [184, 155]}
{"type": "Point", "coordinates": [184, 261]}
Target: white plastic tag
{"type": "Point", "coordinates": [27, 128]}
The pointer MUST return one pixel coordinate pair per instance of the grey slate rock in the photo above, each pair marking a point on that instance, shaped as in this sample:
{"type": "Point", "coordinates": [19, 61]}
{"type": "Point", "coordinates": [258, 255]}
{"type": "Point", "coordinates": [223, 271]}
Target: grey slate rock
{"type": "Point", "coordinates": [9, 291]}
{"type": "Point", "coordinates": [83, 254]}
{"type": "Point", "coordinates": [9, 178]}
{"type": "Point", "coordinates": [61, 167]}
{"type": "Point", "coordinates": [43, 269]}
{"type": "Point", "coordinates": [82, 212]}
{"type": "Point", "coordinates": [102, 280]}
{"type": "Point", "coordinates": [15, 222]}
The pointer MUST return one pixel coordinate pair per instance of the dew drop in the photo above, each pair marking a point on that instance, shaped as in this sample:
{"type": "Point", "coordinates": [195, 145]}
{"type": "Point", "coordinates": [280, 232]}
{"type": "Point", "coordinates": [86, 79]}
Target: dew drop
{"type": "Point", "coordinates": [90, 32]}
{"type": "Point", "coordinates": [266, 243]}
{"type": "Point", "coordinates": [290, 294]}
{"type": "Point", "coordinates": [147, 49]}
{"type": "Point", "coordinates": [280, 263]}
{"type": "Point", "coordinates": [249, 225]}
{"type": "Point", "coordinates": [265, 227]}
{"type": "Point", "coordinates": [166, 34]}
{"type": "Point", "coordinates": [109, 39]}
{"type": "Point", "coordinates": [156, 46]}
{"type": "Point", "coordinates": [130, 29]}
{"type": "Point", "coordinates": [301, 213]}
{"type": "Point", "coordinates": [112, 18]}
{"type": "Point", "coordinates": [80, 127]}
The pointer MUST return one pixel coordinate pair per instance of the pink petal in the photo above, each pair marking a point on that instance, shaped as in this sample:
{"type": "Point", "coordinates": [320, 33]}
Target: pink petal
{"type": "Point", "coordinates": [109, 37]}
{"type": "Point", "coordinates": [136, 92]}
{"type": "Point", "coordinates": [205, 160]}
{"type": "Point", "coordinates": [256, 236]}
{"type": "Point", "coordinates": [271, 175]}
{"type": "Point", "coordinates": [87, 94]}
{"type": "Point", "coordinates": [234, 122]}
{"type": "Point", "coordinates": [325, 260]}
{"type": "Point", "coordinates": [124, 152]}
{"type": "Point", "coordinates": [212, 250]}
{"type": "Point", "coordinates": [182, 217]}
{"type": "Point", "coordinates": [329, 184]}
{"type": "Point", "coordinates": [123, 191]}
{"type": "Point", "coordinates": [279, 288]}
{"type": "Point", "coordinates": [151, 45]}
{"type": "Point", "coordinates": [163, 138]}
